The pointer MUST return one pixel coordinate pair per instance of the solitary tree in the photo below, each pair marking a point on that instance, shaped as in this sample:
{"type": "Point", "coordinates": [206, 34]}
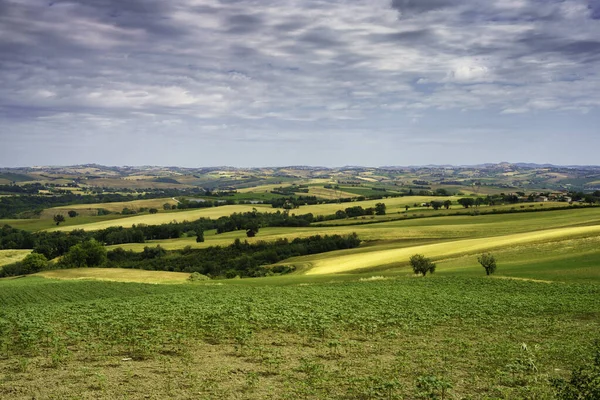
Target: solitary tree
{"type": "Point", "coordinates": [447, 204]}
{"type": "Point", "coordinates": [406, 207]}
{"type": "Point", "coordinates": [58, 218]}
{"type": "Point", "coordinates": [153, 211]}
{"type": "Point", "coordinates": [200, 237]}
{"type": "Point", "coordinates": [488, 262]}
{"type": "Point", "coordinates": [73, 214]}
{"type": "Point", "coordinates": [421, 264]}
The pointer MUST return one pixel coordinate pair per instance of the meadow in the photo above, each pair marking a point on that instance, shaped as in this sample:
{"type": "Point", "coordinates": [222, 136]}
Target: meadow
{"type": "Point", "coordinates": [340, 337]}
{"type": "Point", "coordinates": [347, 324]}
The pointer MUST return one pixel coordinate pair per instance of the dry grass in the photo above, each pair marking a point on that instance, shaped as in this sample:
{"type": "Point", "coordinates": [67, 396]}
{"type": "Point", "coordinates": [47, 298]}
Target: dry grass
{"type": "Point", "coordinates": [12, 256]}
{"type": "Point", "coordinates": [117, 275]}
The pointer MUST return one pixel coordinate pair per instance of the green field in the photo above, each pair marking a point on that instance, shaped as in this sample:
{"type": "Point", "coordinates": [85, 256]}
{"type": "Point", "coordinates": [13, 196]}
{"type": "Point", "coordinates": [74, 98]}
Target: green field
{"type": "Point", "coordinates": [289, 337]}
{"type": "Point", "coordinates": [348, 324]}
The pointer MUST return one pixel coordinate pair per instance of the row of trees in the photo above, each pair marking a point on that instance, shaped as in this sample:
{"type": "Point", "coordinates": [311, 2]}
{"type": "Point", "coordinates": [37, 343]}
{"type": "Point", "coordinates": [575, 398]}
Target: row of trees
{"type": "Point", "coordinates": [237, 259]}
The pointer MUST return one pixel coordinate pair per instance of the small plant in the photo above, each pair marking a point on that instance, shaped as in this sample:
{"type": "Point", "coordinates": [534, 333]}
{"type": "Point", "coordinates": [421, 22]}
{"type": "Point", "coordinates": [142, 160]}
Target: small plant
{"type": "Point", "coordinates": [421, 264]}
{"type": "Point", "coordinates": [488, 262]}
{"type": "Point", "coordinates": [584, 383]}
{"type": "Point", "coordinates": [432, 387]}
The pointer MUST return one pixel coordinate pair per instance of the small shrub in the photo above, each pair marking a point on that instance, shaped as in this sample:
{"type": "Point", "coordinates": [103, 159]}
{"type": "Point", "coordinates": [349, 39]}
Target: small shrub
{"type": "Point", "coordinates": [197, 277]}
{"type": "Point", "coordinates": [584, 383]}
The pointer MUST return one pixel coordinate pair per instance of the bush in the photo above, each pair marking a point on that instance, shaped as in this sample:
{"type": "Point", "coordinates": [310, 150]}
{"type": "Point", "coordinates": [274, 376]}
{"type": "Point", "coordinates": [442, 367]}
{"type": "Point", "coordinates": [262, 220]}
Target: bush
{"type": "Point", "coordinates": [196, 277]}
{"type": "Point", "coordinates": [584, 383]}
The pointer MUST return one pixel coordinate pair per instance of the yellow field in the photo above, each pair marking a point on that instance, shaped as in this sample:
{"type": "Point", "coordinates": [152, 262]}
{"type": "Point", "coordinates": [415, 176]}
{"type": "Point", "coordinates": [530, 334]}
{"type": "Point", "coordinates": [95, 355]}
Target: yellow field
{"type": "Point", "coordinates": [376, 257]}
{"type": "Point", "coordinates": [165, 218]}
{"type": "Point", "coordinates": [114, 207]}
{"type": "Point", "coordinates": [261, 188]}
{"type": "Point", "coordinates": [117, 274]}
{"type": "Point", "coordinates": [11, 256]}
{"type": "Point", "coordinates": [329, 193]}
{"type": "Point", "coordinates": [394, 204]}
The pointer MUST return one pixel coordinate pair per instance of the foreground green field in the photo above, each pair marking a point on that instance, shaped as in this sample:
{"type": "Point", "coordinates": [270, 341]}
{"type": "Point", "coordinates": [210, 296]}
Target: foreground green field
{"type": "Point", "coordinates": [357, 337]}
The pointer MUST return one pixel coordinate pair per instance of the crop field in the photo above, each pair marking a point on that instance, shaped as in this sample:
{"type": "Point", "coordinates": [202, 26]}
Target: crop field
{"type": "Point", "coordinates": [330, 264]}
{"type": "Point", "coordinates": [116, 275]}
{"type": "Point", "coordinates": [114, 207]}
{"type": "Point", "coordinates": [165, 218]}
{"type": "Point", "coordinates": [11, 256]}
{"type": "Point", "coordinates": [393, 204]}
{"type": "Point", "coordinates": [359, 337]}
{"type": "Point", "coordinates": [416, 231]}
{"type": "Point", "coordinates": [38, 224]}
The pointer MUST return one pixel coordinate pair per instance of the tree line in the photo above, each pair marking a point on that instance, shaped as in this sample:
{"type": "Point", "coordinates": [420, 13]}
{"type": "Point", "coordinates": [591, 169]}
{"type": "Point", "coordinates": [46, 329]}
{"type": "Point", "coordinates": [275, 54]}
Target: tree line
{"type": "Point", "coordinates": [238, 259]}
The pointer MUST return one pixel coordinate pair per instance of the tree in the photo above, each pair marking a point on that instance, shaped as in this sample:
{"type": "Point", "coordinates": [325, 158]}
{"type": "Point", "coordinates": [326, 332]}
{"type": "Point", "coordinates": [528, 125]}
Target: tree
{"type": "Point", "coordinates": [166, 206]}
{"type": "Point", "coordinates": [406, 207]}
{"type": "Point", "coordinates": [33, 263]}
{"type": "Point", "coordinates": [153, 211]}
{"type": "Point", "coordinates": [73, 214]}
{"type": "Point", "coordinates": [447, 204]}
{"type": "Point", "coordinates": [87, 254]}
{"type": "Point", "coordinates": [200, 237]}
{"type": "Point", "coordinates": [421, 264]}
{"type": "Point", "coordinates": [58, 218]}
{"type": "Point", "coordinates": [488, 262]}
{"type": "Point", "coordinates": [466, 202]}
{"type": "Point", "coordinates": [380, 208]}
{"type": "Point", "coordinates": [436, 205]}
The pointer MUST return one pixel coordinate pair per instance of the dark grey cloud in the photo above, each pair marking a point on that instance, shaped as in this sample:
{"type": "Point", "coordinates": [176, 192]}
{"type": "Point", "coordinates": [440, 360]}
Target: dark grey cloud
{"type": "Point", "coordinates": [295, 70]}
{"type": "Point", "coordinates": [243, 23]}
{"type": "Point", "coordinates": [419, 6]}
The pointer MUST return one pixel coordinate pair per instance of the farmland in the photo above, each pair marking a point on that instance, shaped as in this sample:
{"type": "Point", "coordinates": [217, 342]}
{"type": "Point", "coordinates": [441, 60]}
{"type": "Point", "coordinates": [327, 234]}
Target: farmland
{"type": "Point", "coordinates": [281, 338]}
{"type": "Point", "coordinates": [165, 218]}
{"type": "Point", "coordinates": [354, 323]}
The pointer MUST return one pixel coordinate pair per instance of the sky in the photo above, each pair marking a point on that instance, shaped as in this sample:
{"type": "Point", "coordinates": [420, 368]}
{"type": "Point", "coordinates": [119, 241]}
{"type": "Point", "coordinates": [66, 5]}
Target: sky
{"type": "Point", "coordinates": [244, 83]}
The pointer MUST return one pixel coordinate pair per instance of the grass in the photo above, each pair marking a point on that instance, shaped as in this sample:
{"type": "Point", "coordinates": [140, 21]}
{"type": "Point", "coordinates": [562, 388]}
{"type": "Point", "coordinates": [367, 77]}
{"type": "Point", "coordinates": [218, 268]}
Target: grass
{"type": "Point", "coordinates": [319, 338]}
{"type": "Point", "coordinates": [349, 324]}
{"type": "Point", "coordinates": [332, 263]}
{"type": "Point", "coordinates": [416, 231]}
{"type": "Point", "coordinates": [47, 223]}
{"type": "Point", "coordinates": [12, 256]}
{"type": "Point", "coordinates": [117, 275]}
{"type": "Point", "coordinates": [113, 207]}
{"type": "Point", "coordinates": [165, 218]}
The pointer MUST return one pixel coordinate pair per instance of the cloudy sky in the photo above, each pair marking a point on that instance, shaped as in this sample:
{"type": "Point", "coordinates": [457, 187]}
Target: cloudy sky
{"type": "Point", "coordinates": [289, 82]}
